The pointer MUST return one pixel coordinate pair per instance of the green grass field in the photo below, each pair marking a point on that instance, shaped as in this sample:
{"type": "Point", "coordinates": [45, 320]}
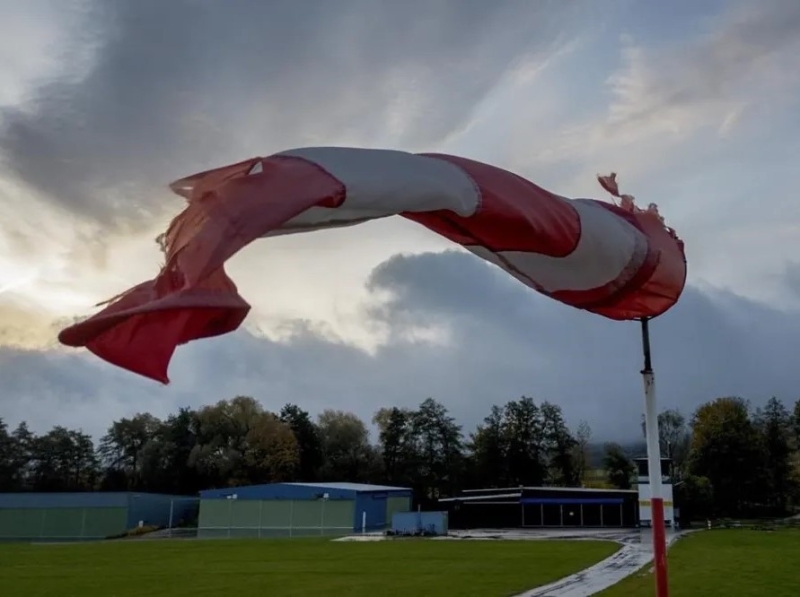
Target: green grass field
{"type": "Point", "coordinates": [291, 567]}
{"type": "Point", "coordinates": [730, 563]}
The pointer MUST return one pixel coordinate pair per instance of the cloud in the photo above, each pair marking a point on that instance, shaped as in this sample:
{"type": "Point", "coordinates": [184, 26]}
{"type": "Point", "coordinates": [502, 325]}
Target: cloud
{"type": "Point", "coordinates": [177, 87]}
{"type": "Point", "coordinates": [116, 98]}
{"type": "Point", "coordinates": [711, 79]}
{"type": "Point", "coordinates": [23, 327]}
{"type": "Point", "coordinates": [792, 279]}
{"type": "Point", "coordinates": [457, 329]}
{"type": "Point", "coordinates": [663, 95]}
{"type": "Point", "coordinates": [32, 30]}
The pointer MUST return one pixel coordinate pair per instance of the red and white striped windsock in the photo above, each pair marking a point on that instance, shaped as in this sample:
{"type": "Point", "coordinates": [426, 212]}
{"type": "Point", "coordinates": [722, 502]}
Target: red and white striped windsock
{"type": "Point", "coordinates": [617, 261]}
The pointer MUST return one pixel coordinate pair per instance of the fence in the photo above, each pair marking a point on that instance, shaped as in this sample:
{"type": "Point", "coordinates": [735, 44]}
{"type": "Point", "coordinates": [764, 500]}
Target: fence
{"type": "Point", "coordinates": [767, 524]}
{"type": "Point", "coordinates": [123, 512]}
{"type": "Point", "coordinates": [61, 524]}
{"type": "Point", "coordinates": [275, 518]}
{"type": "Point", "coordinates": [183, 517]}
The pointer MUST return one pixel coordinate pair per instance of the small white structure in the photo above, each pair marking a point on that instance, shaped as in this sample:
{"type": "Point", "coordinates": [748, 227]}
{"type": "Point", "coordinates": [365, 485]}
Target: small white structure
{"type": "Point", "coordinates": [645, 516]}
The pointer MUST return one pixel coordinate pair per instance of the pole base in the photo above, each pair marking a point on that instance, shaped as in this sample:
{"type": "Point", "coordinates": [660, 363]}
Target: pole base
{"type": "Point", "coordinates": [659, 547]}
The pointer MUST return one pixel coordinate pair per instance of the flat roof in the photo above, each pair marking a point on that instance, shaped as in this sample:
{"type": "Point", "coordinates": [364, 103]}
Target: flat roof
{"type": "Point", "coordinates": [583, 489]}
{"type": "Point", "coordinates": [476, 498]}
{"type": "Point", "coordinates": [549, 488]}
{"type": "Point", "coordinates": [350, 486]}
{"type": "Point", "coordinates": [516, 492]}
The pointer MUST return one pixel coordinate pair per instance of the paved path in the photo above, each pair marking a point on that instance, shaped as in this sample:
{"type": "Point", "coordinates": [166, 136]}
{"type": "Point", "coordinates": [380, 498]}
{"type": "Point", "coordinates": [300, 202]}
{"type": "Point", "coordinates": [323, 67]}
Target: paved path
{"type": "Point", "coordinates": [636, 552]}
{"type": "Point", "coordinates": [592, 580]}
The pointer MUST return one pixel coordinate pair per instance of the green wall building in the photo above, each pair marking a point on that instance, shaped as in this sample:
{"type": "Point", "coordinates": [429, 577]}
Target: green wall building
{"type": "Point", "coordinates": [299, 509]}
{"type": "Point", "coordinates": [88, 515]}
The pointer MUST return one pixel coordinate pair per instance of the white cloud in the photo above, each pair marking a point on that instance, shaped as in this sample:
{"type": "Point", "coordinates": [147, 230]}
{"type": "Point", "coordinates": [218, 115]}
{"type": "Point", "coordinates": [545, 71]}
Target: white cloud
{"type": "Point", "coordinates": [662, 97]}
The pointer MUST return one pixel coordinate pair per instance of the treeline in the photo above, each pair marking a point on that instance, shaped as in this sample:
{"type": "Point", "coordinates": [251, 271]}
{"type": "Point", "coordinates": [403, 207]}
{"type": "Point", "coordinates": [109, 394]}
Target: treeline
{"type": "Point", "coordinates": [238, 442]}
{"type": "Point", "coordinates": [729, 460]}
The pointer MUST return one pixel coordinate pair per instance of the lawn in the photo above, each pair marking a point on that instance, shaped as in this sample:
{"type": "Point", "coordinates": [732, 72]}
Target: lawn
{"type": "Point", "coordinates": [732, 563]}
{"type": "Point", "coordinates": [291, 567]}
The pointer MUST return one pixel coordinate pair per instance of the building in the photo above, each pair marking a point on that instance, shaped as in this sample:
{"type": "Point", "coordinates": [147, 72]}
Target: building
{"type": "Point", "coordinates": [643, 484]}
{"type": "Point", "coordinates": [88, 515]}
{"type": "Point", "coordinates": [299, 509]}
{"type": "Point", "coordinates": [538, 507]}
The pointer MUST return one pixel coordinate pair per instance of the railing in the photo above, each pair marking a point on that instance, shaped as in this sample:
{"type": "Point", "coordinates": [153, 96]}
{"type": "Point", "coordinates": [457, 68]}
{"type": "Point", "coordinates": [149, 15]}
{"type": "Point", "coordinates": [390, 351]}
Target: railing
{"type": "Point", "coordinates": [751, 524]}
{"type": "Point", "coordinates": [242, 532]}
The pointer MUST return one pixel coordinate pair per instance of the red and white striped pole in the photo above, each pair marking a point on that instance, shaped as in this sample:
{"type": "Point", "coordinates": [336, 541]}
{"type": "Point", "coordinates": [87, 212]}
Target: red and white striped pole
{"type": "Point", "coordinates": [654, 467]}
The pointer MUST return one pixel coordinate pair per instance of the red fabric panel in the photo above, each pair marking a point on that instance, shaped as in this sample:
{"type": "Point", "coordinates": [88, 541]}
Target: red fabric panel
{"type": "Point", "coordinates": [514, 215]}
{"type": "Point", "coordinates": [653, 294]}
{"type": "Point", "coordinates": [192, 297]}
{"type": "Point", "coordinates": [141, 330]}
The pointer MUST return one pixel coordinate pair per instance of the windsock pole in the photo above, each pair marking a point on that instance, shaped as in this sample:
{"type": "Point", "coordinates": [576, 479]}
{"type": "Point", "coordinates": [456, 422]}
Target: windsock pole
{"type": "Point", "coordinates": [654, 467]}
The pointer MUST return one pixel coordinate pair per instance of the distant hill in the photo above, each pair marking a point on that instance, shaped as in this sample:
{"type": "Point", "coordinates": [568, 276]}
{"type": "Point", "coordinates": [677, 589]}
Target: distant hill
{"type": "Point", "coordinates": [635, 449]}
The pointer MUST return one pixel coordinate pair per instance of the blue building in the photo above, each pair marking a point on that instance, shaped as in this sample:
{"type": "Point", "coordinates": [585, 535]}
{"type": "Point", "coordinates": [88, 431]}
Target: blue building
{"type": "Point", "coordinates": [299, 509]}
{"type": "Point", "coordinates": [531, 507]}
{"type": "Point", "coordinates": [87, 515]}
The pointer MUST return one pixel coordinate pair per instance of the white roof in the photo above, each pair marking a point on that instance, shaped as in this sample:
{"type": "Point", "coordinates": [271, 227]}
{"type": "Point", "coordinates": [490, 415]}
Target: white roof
{"type": "Point", "coordinates": [480, 498]}
{"type": "Point", "coordinates": [478, 495]}
{"type": "Point", "coordinates": [351, 486]}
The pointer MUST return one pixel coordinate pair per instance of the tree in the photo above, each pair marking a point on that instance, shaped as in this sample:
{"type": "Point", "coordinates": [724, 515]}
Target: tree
{"type": "Point", "coordinates": [523, 432]}
{"type": "Point", "coordinates": [440, 448]}
{"type": "Point", "coordinates": [559, 446]}
{"type": "Point", "coordinates": [796, 424]}
{"type": "Point", "coordinates": [695, 497]}
{"type": "Point", "coordinates": [271, 453]}
{"type": "Point", "coordinates": [397, 444]}
{"type": "Point", "coordinates": [348, 455]}
{"type": "Point", "coordinates": [165, 457]}
{"type": "Point", "coordinates": [673, 439]}
{"type": "Point", "coordinates": [216, 457]}
{"type": "Point", "coordinates": [239, 443]}
{"type": "Point", "coordinates": [122, 447]}
{"type": "Point", "coordinates": [726, 449]}
{"type": "Point", "coordinates": [488, 448]}
{"type": "Point", "coordinates": [8, 468]}
{"type": "Point", "coordinates": [775, 426]}
{"type": "Point", "coordinates": [308, 441]}
{"type": "Point", "coordinates": [179, 434]}
{"type": "Point", "coordinates": [580, 451]}
{"type": "Point", "coordinates": [619, 468]}
{"type": "Point", "coordinates": [63, 460]}
{"type": "Point", "coordinates": [22, 443]}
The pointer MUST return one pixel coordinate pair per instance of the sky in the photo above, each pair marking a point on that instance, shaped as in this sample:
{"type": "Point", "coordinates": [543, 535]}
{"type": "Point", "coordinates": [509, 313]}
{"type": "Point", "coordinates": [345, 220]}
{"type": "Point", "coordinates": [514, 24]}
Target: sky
{"type": "Point", "coordinates": [695, 105]}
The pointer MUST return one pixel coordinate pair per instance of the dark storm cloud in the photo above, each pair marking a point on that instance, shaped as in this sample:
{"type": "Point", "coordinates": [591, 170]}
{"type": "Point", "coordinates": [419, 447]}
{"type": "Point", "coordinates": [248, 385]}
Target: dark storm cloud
{"type": "Point", "coordinates": [503, 341]}
{"type": "Point", "coordinates": [183, 85]}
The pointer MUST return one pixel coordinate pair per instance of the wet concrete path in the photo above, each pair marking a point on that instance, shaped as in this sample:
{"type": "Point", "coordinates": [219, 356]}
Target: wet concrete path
{"type": "Point", "coordinates": [636, 552]}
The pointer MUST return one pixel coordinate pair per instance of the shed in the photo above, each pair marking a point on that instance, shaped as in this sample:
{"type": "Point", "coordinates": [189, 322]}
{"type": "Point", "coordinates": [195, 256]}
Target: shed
{"type": "Point", "coordinates": [86, 515]}
{"type": "Point", "coordinates": [526, 507]}
{"type": "Point", "coordinates": [299, 509]}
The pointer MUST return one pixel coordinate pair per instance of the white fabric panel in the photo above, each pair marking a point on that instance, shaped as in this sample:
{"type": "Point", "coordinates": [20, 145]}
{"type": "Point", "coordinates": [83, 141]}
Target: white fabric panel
{"type": "Point", "coordinates": [606, 247]}
{"type": "Point", "coordinates": [382, 183]}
